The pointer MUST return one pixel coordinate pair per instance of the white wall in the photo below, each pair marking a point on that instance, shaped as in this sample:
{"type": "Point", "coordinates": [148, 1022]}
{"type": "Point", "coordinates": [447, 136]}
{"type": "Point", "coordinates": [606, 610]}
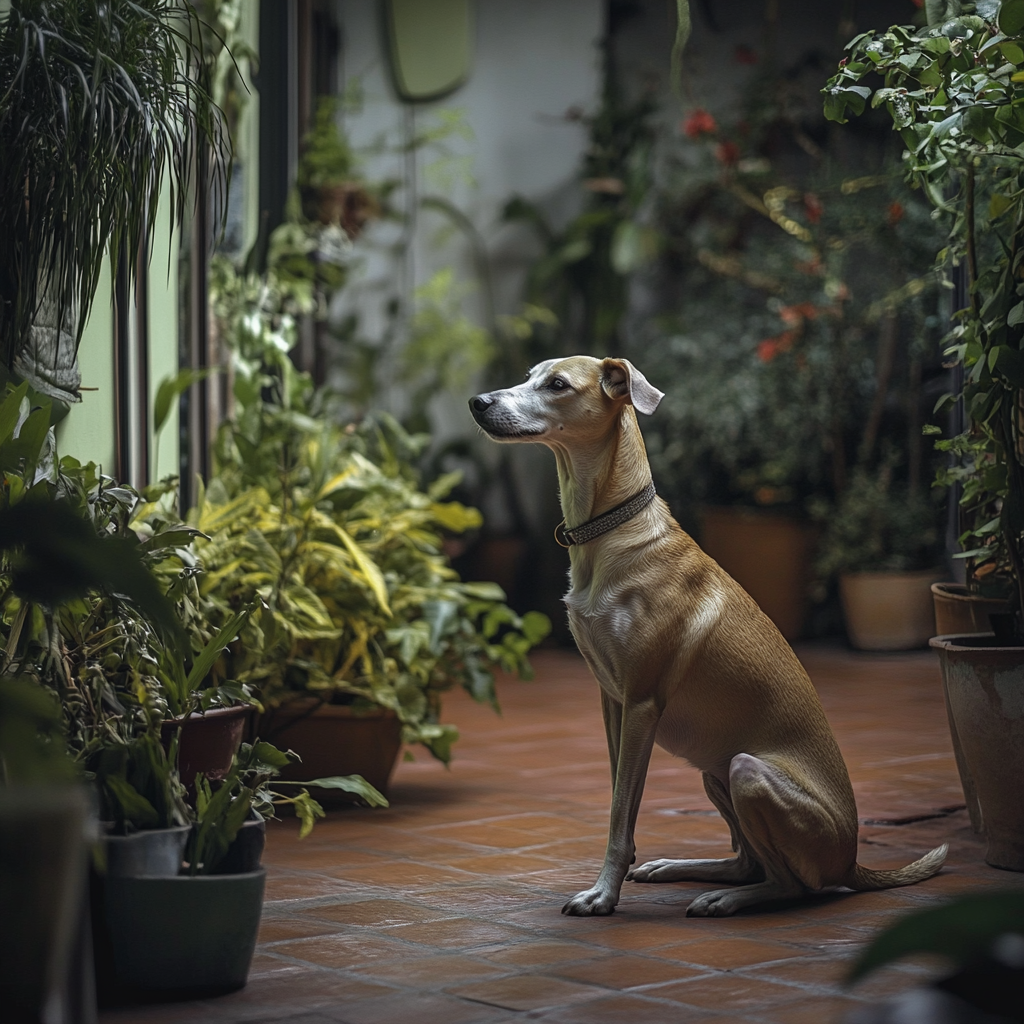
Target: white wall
{"type": "Point", "coordinates": [532, 61]}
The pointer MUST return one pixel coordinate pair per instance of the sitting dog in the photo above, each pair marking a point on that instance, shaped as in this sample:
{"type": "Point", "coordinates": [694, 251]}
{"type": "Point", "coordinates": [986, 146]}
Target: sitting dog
{"type": "Point", "coordinates": [684, 658]}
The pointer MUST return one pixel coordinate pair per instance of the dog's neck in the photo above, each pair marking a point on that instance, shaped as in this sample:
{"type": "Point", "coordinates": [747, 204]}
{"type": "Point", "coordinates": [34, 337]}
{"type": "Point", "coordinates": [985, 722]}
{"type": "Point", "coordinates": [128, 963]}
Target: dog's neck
{"type": "Point", "coordinates": [597, 475]}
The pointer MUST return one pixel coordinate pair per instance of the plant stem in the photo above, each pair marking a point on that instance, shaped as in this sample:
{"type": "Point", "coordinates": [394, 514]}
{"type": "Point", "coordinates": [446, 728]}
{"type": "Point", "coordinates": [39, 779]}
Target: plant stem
{"type": "Point", "coordinates": [886, 357]}
{"type": "Point", "coordinates": [914, 439]}
{"type": "Point", "coordinates": [972, 256]}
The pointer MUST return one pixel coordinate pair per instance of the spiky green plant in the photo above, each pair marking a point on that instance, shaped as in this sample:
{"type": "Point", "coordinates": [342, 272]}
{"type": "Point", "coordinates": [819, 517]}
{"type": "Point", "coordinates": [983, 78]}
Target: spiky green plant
{"type": "Point", "coordinates": [100, 103]}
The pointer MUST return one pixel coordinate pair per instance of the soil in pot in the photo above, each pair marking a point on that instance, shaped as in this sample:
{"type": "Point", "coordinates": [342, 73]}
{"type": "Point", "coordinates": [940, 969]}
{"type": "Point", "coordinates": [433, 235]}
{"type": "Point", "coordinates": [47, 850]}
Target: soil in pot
{"type": "Point", "coordinates": [207, 742]}
{"type": "Point", "coordinates": [958, 611]}
{"type": "Point", "coordinates": [769, 556]}
{"type": "Point", "coordinates": [335, 739]}
{"type": "Point", "coordinates": [888, 611]}
{"type": "Point", "coordinates": [984, 683]}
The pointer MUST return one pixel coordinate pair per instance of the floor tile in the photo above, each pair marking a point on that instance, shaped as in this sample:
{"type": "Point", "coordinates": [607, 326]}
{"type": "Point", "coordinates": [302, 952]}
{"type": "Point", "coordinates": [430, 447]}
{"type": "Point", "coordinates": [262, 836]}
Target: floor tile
{"type": "Point", "coordinates": [431, 972]}
{"type": "Point", "coordinates": [345, 951]}
{"type": "Point", "coordinates": [526, 992]}
{"type": "Point", "coordinates": [728, 992]}
{"type": "Point", "coordinates": [726, 953]}
{"type": "Point", "coordinates": [625, 971]}
{"type": "Point", "coordinates": [446, 906]}
{"type": "Point", "coordinates": [458, 933]}
{"type": "Point", "coordinates": [375, 913]}
{"type": "Point", "coordinates": [626, 1009]}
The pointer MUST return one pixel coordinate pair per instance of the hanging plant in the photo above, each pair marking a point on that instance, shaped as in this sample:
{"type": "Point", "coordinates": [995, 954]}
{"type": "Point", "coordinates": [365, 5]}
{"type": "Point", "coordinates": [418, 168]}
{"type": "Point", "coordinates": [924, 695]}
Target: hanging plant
{"type": "Point", "coordinates": [100, 104]}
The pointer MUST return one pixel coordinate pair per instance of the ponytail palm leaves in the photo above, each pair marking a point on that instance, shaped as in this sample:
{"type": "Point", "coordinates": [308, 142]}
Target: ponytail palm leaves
{"type": "Point", "coordinates": [100, 104]}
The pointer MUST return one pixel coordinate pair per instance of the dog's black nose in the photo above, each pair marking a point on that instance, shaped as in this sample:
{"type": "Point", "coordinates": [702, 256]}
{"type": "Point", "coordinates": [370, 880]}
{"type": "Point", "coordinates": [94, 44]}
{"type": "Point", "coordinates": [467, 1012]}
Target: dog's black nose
{"type": "Point", "coordinates": [481, 403]}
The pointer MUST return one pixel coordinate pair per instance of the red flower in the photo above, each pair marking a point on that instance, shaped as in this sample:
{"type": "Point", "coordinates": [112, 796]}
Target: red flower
{"type": "Point", "coordinates": [801, 311]}
{"type": "Point", "coordinates": [918, 3]}
{"type": "Point", "coordinates": [894, 214]}
{"type": "Point", "coordinates": [745, 55]}
{"type": "Point", "coordinates": [768, 349]}
{"type": "Point", "coordinates": [727, 152]}
{"type": "Point", "coordinates": [700, 122]}
{"type": "Point", "coordinates": [813, 207]}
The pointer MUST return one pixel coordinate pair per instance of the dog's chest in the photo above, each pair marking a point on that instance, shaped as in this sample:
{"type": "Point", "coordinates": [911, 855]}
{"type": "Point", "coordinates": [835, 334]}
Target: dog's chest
{"type": "Point", "coordinates": [607, 631]}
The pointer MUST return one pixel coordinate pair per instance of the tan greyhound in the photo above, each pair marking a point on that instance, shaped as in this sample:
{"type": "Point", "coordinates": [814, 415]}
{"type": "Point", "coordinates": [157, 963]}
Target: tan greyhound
{"type": "Point", "coordinates": [684, 658]}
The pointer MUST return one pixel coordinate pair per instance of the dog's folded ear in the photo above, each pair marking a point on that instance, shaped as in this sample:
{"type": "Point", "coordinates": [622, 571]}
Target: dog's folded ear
{"type": "Point", "coordinates": [621, 379]}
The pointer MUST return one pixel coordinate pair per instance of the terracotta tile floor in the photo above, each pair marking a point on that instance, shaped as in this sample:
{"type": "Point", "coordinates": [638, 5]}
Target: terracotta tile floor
{"type": "Point", "coordinates": [445, 907]}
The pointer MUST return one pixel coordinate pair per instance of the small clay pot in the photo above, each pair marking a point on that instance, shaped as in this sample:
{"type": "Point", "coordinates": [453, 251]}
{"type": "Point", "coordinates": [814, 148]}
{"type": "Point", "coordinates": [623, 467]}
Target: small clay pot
{"type": "Point", "coordinates": [206, 742]}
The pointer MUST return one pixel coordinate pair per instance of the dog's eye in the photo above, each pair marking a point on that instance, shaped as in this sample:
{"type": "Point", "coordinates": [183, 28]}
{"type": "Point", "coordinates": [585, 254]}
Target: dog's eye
{"type": "Point", "coordinates": [558, 384]}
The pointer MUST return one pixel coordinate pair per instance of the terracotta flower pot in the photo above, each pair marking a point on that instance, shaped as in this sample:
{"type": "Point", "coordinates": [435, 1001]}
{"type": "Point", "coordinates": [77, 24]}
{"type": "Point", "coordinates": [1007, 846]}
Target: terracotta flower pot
{"type": "Point", "coordinates": [769, 556]}
{"type": "Point", "coordinates": [888, 611]}
{"type": "Point", "coordinates": [347, 204]}
{"type": "Point", "coordinates": [335, 739]}
{"type": "Point", "coordinates": [957, 611]}
{"type": "Point", "coordinates": [985, 699]}
{"type": "Point", "coordinates": [207, 742]}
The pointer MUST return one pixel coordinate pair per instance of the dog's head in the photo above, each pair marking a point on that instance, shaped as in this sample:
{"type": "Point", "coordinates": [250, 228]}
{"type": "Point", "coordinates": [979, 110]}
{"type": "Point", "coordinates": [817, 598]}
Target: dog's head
{"type": "Point", "coordinates": [562, 399]}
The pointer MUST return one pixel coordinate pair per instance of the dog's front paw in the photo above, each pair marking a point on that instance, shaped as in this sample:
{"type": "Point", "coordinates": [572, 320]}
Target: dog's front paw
{"type": "Point", "coordinates": [591, 903]}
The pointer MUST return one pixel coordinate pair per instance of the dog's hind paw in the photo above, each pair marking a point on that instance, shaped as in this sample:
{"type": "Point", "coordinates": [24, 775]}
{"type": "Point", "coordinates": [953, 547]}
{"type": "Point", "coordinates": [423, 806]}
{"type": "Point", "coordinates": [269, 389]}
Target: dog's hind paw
{"type": "Point", "coordinates": [714, 904]}
{"type": "Point", "coordinates": [594, 902]}
{"type": "Point", "coordinates": [663, 870]}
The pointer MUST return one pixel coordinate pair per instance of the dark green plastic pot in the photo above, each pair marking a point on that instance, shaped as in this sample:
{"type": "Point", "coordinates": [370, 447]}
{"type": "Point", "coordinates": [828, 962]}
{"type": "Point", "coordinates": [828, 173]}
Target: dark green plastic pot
{"type": "Point", "coordinates": [189, 932]}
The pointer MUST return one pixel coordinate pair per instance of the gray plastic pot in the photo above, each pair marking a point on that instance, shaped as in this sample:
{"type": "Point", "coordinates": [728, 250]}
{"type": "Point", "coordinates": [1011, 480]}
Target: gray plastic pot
{"type": "Point", "coordinates": [189, 932]}
{"type": "Point", "coordinates": [153, 852]}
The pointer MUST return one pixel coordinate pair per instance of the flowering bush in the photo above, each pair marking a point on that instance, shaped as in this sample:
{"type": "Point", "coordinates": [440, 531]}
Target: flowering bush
{"type": "Point", "coordinates": [802, 355]}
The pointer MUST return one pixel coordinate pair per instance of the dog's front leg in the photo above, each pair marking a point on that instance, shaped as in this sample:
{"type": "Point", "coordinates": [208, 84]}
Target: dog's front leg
{"type": "Point", "coordinates": [639, 723]}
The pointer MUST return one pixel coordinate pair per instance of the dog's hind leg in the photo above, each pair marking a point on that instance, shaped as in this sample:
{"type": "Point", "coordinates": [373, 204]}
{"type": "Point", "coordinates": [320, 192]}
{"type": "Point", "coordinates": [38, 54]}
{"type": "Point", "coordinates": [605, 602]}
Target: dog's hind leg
{"type": "Point", "coordinates": [742, 868]}
{"type": "Point", "coordinates": [801, 846]}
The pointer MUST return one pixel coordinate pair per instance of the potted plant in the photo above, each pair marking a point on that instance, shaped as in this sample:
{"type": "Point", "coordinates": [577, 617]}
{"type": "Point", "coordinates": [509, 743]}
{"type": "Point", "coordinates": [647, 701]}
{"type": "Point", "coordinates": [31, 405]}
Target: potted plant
{"type": "Point", "coordinates": [97, 104]}
{"type": "Point", "coordinates": [953, 89]}
{"type": "Point", "coordinates": [49, 555]}
{"type": "Point", "coordinates": [363, 624]}
{"type": "Point", "coordinates": [882, 543]}
{"type": "Point", "coordinates": [196, 929]}
{"type": "Point", "coordinates": [329, 187]}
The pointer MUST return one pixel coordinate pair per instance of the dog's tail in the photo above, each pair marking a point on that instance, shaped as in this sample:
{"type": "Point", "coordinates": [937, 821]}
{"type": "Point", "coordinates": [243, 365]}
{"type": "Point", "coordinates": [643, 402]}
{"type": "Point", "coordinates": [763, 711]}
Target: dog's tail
{"type": "Point", "coordinates": [863, 879]}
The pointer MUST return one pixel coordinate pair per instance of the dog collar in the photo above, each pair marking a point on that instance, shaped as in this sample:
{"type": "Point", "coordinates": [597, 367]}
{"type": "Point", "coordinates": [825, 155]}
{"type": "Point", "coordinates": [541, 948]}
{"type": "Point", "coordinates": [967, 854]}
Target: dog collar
{"type": "Point", "coordinates": [606, 521]}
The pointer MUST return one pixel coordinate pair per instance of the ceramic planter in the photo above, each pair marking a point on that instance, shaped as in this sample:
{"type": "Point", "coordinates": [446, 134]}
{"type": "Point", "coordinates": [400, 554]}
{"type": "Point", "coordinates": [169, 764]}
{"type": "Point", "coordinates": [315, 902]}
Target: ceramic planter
{"type": "Point", "coordinates": [184, 933]}
{"type": "Point", "coordinates": [155, 852]}
{"type": "Point", "coordinates": [770, 556]}
{"type": "Point", "coordinates": [984, 685]}
{"type": "Point", "coordinates": [957, 611]}
{"type": "Point", "coordinates": [888, 611]}
{"type": "Point", "coordinates": [334, 739]}
{"type": "Point", "coordinates": [207, 742]}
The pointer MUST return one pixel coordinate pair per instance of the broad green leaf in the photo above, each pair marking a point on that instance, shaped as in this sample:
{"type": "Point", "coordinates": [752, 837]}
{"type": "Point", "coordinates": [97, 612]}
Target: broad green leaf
{"type": "Point", "coordinates": [171, 388]}
{"type": "Point", "coordinates": [350, 784]}
{"type": "Point", "coordinates": [208, 656]}
{"type": "Point", "coordinates": [135, 808]}
{"type": "Point", "coordinates": [367, 567]}
{"type": "Point", "coordinates": [1011, 17]}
